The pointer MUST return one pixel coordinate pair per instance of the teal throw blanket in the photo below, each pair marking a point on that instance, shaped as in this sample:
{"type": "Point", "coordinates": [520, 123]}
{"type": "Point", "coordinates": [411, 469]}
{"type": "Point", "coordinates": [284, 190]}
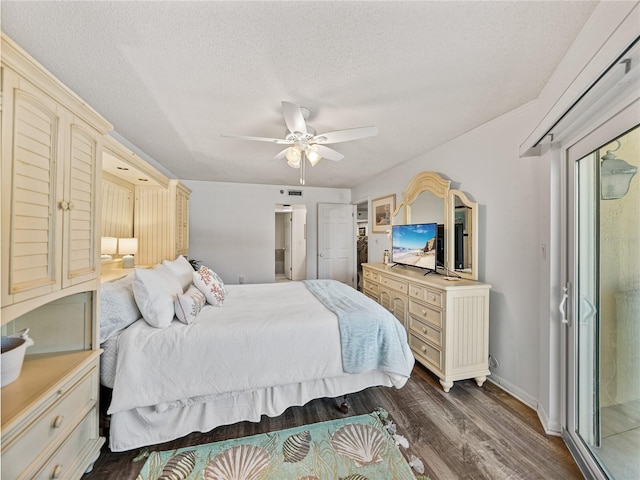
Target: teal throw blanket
{"type": "Point", "coordinates": [371, 337]}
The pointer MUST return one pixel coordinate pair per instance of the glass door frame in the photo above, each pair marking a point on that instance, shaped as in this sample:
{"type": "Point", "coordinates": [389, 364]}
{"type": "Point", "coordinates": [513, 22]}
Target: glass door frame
{"type": "Point", "coordinates": [613, 123]}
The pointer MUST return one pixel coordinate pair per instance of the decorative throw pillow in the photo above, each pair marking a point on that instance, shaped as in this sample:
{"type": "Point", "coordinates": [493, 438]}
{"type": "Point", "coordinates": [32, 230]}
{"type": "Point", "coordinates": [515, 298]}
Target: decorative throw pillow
{"type": "Point", "coordinates": [182, 269]}
{"type": "Point", "coordinates": [155, 291]}
{"type": "Point", "coordinates": [209, 283]}
{"type": "Point", "coordinates": [118, 308]}
{"type": "Point", "coordinates": [189, 304]}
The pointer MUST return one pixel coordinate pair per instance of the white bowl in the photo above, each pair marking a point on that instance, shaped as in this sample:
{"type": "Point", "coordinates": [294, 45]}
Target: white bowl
{"type": "Point", "coordinates": [13, 350]}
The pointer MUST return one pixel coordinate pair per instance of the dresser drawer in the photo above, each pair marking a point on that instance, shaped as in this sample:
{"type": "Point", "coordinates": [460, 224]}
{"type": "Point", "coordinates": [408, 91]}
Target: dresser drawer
{"type": "Point", "coordinates": [394, 284]}
{"type": "Point", "coordinates": [425, 351]}
{"type": "Point", "coordinates": [71, 403]}
{"type": "Point", "coordinates": [371, 288]}
{"type": "Point", "coordinates": [425, 313]}
{"type": "Point", "coordinates": [366, 273]}
{"type": "Point", "coordinates": [433, 297]}
{"type": "Point", "coordinates": [426, 330]}
{"type": "Point", "coordinates": [65, 461]}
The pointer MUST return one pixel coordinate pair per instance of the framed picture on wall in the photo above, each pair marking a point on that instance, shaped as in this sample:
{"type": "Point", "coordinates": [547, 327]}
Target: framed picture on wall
{"type": "Point", "coordinates": [382, 209]}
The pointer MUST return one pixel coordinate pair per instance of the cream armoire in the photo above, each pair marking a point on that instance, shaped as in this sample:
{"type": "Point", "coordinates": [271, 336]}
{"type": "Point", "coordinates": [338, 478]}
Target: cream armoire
{"type": "Point", "coordinates": [51, 171]}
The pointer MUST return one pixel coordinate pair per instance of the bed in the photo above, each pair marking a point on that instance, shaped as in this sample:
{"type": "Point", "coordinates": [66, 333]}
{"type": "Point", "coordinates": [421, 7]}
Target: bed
{"type": "Point", "coordinates": [265, 348]}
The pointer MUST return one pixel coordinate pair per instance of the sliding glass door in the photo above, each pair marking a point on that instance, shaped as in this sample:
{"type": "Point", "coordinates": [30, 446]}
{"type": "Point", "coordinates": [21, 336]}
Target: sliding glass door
{"type": "Point", "coordinates": [602, 424]}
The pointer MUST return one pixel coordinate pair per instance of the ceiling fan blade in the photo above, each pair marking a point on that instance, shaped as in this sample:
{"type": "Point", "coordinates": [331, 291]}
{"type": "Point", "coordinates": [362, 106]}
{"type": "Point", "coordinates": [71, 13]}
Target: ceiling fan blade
{"type": "Point", "coordinates": [280, 155]}
{"type": "Point", "coordinates": [293, 118]}
{"type": "Point", "coordinates": [279, 141]}
{"type": "Point", "coordinates": [328, 153]}
{"type": "Point", "coordinates": [346, 135]}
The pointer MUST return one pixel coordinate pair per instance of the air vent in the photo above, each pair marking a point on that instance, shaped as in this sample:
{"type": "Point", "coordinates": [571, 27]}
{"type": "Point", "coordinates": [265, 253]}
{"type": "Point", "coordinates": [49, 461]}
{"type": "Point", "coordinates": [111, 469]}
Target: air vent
{"type": "Point", "coordinates": [295, 193]}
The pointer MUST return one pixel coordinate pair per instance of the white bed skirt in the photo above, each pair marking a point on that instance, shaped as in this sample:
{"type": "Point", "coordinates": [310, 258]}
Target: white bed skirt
{"type": "Point", "coordinates": [145, 426]}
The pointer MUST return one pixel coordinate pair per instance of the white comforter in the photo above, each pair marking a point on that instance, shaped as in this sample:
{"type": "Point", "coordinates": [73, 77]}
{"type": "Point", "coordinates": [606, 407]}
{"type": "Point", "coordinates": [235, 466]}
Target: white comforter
{"type": "Point", "coordinates": [286, 337]}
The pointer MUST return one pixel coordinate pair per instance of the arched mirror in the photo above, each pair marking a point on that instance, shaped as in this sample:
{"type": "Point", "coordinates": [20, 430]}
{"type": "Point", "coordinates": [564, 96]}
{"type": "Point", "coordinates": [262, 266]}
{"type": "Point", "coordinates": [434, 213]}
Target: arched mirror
{"type": "Point", "coordinates": [462, 247]}
{"type": "Point", "coordinates": [428, 199]}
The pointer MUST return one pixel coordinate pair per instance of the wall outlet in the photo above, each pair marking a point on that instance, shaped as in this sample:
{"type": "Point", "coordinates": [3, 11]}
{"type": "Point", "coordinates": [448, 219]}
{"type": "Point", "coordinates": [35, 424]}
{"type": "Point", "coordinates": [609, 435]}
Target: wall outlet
{"type": "Point", "coordinates": [241, 279]}
{"type": "Point", "coordinates": [493, 362]}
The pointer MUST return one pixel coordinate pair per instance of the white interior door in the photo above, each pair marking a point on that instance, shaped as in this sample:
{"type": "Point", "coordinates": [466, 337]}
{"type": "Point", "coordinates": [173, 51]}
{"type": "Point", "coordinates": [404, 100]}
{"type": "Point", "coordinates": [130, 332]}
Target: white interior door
{"type": "Point", "coordinates": [287, 245]}
{"type": "Point", "coordinates": [298, 242]}
{"type": "Point", "coordinates": [336, 242]}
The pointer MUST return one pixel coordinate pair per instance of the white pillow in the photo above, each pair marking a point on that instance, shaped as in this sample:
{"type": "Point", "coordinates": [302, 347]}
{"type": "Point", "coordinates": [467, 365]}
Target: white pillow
{"type": "Point", "coordinates": [118, 308]}
{"type": "Point", "coordinates": [209, 283]}
{"type": "Point", "coordinates": [189, 304]}
{"type": "Point", "coordinates": [182, 269]}
{"type": "Point", "coordinates": [156, 291]}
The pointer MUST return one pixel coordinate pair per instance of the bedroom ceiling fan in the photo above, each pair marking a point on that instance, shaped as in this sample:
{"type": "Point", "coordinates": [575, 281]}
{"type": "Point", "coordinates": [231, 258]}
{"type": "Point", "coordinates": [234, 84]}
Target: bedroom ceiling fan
{"type": "Point", "coordinates": [304, 143]}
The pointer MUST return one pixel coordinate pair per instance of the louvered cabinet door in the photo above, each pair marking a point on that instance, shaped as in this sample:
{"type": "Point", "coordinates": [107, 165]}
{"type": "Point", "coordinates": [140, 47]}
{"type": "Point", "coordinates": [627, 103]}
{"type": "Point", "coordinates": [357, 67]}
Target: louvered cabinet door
{"type": "Point", "coordinates": [182, 223]}
{"type": "Point", "coordinates": [79, 205]}
{"type": "Point", "coordinates": [32, 156]}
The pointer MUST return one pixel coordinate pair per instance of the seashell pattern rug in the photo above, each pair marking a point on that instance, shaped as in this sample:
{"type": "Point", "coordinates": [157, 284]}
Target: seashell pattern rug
{"type": "Point", "coordinates": [365, 447]}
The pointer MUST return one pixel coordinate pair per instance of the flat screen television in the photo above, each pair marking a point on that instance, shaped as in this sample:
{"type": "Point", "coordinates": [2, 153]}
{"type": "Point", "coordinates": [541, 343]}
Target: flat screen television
{"type": "Point", "coordinates": [414, 245]}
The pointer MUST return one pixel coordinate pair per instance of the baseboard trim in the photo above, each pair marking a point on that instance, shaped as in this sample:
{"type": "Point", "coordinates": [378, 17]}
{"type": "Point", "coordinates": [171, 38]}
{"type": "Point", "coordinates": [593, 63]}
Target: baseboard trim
{"type": "Point", "coordinates": [514, 391]}
{"type": "Point", "coordinates": [550, 428]}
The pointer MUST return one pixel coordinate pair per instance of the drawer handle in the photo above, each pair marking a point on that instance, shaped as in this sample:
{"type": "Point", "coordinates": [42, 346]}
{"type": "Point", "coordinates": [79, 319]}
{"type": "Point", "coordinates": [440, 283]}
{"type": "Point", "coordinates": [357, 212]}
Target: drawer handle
{"type": "Point", "coordinates": [424, 329]}
{"type": "Point", "coordinates": [57, 422]}
{"type": "Point", "coordinates": [433, 298]}
{"type": "Point", "coordinates": [57, 471]}
{"type": "Point", "coordinates": [424, 349]}
{"type": "Point", "coordinates": [424, 312]}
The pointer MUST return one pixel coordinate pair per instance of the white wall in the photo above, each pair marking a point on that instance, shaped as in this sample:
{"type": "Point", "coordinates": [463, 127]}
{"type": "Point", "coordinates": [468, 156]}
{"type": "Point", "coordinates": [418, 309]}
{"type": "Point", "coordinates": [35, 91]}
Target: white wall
{"type": "Point", "coordinates": [232, 227]}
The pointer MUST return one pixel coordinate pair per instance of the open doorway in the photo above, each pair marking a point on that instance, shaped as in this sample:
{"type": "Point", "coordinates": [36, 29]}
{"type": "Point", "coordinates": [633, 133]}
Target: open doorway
{"type": "Point", "coordinates": [362, 241]}
{"type": "Point", "coordinates": [290, 242]}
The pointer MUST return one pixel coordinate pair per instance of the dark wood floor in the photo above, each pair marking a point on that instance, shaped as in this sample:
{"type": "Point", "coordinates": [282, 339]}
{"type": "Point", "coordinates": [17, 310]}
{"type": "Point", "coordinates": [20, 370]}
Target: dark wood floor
{"type": "Point", "coordinates": [468, 433]}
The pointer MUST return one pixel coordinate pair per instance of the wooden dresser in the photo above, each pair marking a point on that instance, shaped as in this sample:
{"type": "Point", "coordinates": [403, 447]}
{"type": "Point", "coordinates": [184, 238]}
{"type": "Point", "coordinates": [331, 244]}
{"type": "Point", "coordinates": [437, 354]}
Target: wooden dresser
{"type": "Point", "coordinates": [447, 322]}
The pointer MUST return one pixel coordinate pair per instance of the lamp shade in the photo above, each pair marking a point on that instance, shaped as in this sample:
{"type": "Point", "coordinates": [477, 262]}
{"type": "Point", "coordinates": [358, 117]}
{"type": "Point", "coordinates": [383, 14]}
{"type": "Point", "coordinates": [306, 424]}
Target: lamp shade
{"type": "Point", "coordinates": [313, 156]}
{"type": "Point", "coordinates": [108, 247]}
{"type": "Point", "coordinates": [293, 156]}
{"type": "Point", "coordinates": [127, 247]}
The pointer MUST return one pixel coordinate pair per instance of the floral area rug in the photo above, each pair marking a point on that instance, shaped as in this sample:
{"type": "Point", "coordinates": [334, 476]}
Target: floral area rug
{"type": "Point", "coordinates": [366, 447]}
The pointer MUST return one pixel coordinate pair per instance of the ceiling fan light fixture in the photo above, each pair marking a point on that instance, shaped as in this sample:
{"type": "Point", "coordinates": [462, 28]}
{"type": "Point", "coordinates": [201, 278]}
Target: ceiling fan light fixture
{"type": "Point", "coordinates": [313, 156]}
{"type": "Point", "coordinates": [293, 157]}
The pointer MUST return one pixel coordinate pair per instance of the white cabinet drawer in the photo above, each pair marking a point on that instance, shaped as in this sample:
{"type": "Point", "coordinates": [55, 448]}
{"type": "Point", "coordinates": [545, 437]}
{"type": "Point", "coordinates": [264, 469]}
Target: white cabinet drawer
{"type": "Point", "coordinates": [434, 297]}
{"type": "Point", "coordinates": [51, 427]}
{"type": "Point", "coordinates": [426, 330]}
{"type": "Point", "coordinates": [394, 284]}
{"type": "Point", "coordinates": [65, 462]}
{"type": "Point", "coordinates": [425, 313]}
{"type": "Point", "coordinates": [425, 351]}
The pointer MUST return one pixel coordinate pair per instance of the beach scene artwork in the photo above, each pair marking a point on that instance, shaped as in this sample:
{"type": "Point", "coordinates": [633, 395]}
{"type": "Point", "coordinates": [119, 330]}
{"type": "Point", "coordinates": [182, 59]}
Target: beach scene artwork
{"type": "Point", "coordinates": [415, 245]}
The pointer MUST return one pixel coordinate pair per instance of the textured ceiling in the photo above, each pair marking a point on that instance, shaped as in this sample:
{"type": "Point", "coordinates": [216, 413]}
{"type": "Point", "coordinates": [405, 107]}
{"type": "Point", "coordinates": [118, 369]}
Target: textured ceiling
{"type": "Point", "coordinates": [172, 77]}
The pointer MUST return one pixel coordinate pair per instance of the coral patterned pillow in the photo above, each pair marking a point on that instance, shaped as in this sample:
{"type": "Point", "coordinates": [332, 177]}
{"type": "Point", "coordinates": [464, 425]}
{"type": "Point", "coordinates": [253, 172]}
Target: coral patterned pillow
{"type": "Point", "coordinates": [209, 283]}
{"type": "Point", "coordinates": [189, 304]}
